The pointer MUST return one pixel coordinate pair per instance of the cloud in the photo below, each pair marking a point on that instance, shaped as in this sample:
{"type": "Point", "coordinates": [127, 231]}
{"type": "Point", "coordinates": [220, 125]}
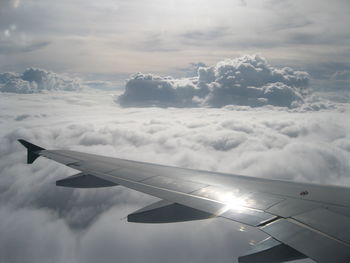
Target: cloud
{"type": "Point", "coordinates": [341, 75]}
{"type": "Point", "coordinates": [247, 80]}
{"type": "Point", "coordinates": [340, 80]}
{"type": "Point", "coordinates": [7, 47]}
{"type": "Point", "coordinates": [83, 225]}
{"type": "Point", "coordinates": [149, 90]}
{"type": "Point", "coordinates": [34, 236]}
{"type": "Point", "coordinates": [131, 32]}
{"type": "Point", "coordinates": [203, 37]}
{"type": "Point", "coordinates": [155, 42]}
{"type": "Point", "coordinates": [34, 80]}
{"type": "Point", "coordinates": [192, 69]}
{"type": "Point", "coordinates": [102, 85]}
{"type": "Point", "coordinates": [5, 4]}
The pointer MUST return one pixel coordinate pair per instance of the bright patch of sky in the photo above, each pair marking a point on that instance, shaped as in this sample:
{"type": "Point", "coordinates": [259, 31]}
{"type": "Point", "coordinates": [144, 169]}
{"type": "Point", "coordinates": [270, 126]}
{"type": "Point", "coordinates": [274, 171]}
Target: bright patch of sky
{"type": "Point", "coordinates": [107, 38]}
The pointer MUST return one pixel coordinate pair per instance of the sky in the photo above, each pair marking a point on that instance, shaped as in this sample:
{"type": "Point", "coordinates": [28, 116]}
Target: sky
{"type": "Point", "coordinates": [113, 39]}
{"type": "Point", "coordinates": [258, 88]}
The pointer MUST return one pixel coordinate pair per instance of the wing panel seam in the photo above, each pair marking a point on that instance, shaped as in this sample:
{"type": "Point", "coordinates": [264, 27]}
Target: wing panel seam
{"type": "Point", "coordinates": [294, 221]}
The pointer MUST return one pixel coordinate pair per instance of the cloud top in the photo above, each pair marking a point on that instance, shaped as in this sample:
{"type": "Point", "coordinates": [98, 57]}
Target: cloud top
{"type": "Point", "coordinates": [312, 146]}
{"type": "Point", "coordinates": [248, 80]}
{"type": "Point", "coordinates": [34, 80]}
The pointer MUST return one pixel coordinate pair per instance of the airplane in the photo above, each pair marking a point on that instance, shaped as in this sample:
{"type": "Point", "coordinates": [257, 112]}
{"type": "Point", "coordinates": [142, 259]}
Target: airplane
{"type": "Point", "coordinates": [302, 220]}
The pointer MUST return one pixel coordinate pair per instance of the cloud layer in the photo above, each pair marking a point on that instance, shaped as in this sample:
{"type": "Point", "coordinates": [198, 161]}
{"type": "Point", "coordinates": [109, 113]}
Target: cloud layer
{"type": "Point", "coordinates": [247, 80]}
{"type": "Point", "coordinates": [126, 36]}
{"type": "Point", "coordinates": [34, 80]}
{"type": "Point", "coordinates": [77, 225]}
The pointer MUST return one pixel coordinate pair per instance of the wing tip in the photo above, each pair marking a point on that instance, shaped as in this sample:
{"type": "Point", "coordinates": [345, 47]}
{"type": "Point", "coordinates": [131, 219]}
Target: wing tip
{"type": "Point", "coordinates": [32, 150]}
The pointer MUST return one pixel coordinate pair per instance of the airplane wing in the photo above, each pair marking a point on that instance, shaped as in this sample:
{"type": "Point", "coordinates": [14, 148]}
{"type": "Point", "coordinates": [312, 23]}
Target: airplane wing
{"type": "Point", "coordinates": [302, 220]}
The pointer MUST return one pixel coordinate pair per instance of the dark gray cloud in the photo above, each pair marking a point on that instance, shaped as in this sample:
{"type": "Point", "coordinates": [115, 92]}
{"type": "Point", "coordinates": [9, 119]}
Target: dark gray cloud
{"type": "Point", "coordinates": [150, 90]}
{"type": "Point", "coordinates": [247, 80]}
{"type": "Point", "coordinates": [34, 80]}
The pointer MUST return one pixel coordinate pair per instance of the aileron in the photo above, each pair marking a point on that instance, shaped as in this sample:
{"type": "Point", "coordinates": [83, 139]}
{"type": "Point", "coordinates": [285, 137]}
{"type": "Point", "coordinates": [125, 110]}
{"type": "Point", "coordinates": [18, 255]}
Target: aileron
{"type": "Point", "coordinates": [316, 245]}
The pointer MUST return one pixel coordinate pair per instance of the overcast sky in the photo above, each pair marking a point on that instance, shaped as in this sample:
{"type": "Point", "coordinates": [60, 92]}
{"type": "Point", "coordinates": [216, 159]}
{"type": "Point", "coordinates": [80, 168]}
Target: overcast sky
{"type": "Point", "coordinates": [116, 37]}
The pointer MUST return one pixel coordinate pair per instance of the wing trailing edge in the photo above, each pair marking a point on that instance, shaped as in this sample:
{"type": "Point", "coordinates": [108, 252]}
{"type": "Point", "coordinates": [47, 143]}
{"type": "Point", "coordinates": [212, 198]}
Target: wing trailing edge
{"type": "Point", "coordinates": [271, 251]}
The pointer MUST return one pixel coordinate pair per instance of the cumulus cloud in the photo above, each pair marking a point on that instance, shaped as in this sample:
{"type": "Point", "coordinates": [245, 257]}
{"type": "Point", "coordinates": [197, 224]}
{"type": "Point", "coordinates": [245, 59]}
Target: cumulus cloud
{"type": "Point", "coordinates": [34, 80]}
{"type": "Point", "coordinates": [247, 80]}
{"type": "Point", "coordinates": [83, 225]}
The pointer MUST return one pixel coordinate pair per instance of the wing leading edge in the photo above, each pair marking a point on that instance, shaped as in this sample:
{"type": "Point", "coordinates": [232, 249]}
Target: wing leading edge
{"type": "Point", "coordinates": [302, 220]}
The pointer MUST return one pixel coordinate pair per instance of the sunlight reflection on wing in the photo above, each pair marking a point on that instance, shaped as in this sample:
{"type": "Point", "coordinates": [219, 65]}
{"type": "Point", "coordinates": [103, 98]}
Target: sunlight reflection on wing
{"type": "Point", "coordinates": [232, 202]}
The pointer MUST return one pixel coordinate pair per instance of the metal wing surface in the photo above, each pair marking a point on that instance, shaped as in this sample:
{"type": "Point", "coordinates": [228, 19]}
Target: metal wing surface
{"type": "Point", "coordinates": [302, 220]}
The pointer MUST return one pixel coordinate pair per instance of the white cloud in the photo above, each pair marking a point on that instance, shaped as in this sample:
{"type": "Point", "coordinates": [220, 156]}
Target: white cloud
{"type": "Point", "coordinates": [34, 80]}
{"type": "Point", "coordinates": [75, 225]}
{"type": "Point", "coordinates": [246, 80]}
{"type": "Point", "coordinates": [33, 235]}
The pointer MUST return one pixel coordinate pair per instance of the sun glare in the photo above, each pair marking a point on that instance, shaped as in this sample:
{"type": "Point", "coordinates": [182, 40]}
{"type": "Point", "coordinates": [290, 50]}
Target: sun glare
{"type": "Point", "coordinates": [232, 202]}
